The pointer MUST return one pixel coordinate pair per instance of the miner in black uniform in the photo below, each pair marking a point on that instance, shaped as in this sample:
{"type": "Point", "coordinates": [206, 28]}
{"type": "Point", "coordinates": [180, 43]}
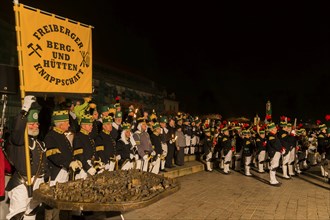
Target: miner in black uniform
{"type": "Point", "coordinates": [59, 150]}
{"type": "Point", "coordinates": [59, 153]}
{"type": "Point", "coordinates": [156, 141]}
{"type": "Point", "coordinates": [238, 147]}
{"type": "Point", "coordinates": [302, 147]}
{"type": "Point", "coordinates": [227, 148]}
{"type": "Point", "coordinates": [247, 151]}
{"type": "Point", "coordinates": [323, 148]}
{"type": "Point", "coordinates": [283, 135]}
{"type": "Point", "coordinates": [170, 143]}
{"type": "Point", "coordinates": [292, 140]}
{"type": "Point", "coordinates": [21, 205]}
{"type": "Point", "coordinates": [116, 125]}
{"type": "Point", "coordinates": [187, 130]}
{"type": "Point", "coordinates": [128, 152]}
{"type": "Point", "coordinates": [85, 151]}
{"type": "Point", "coordinates": [261, 143]}
{"type": "Point", "coordinates": [208, 148]}
{"type": "Point", "coordinates": [274, 148]}
{"type": "Point", "coordinates": [165, 138]}
{"type": "Point", "coordinates": [106, 144]}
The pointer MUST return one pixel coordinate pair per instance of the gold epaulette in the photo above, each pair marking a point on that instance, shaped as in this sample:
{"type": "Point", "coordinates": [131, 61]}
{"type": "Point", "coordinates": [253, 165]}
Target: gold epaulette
{"type": "Point", "coordinates": [283, 135]}
{"type": "Point", "coordinates": [258, 139]}
{"type": "Point", "coordinates": [78, 151]}
{"type": "Point", "coordinates": [321, 136]}
{"type": "Point", "coordinates": [224, 139]}
{"type": "Point", "coordinates": [99, 148]}
{"type": "Point", "coordinates": [271, 138]}
{"type": "Point", "coordinates": [53, 151]}
{"type": "Point", "coordinates": [248, 142]}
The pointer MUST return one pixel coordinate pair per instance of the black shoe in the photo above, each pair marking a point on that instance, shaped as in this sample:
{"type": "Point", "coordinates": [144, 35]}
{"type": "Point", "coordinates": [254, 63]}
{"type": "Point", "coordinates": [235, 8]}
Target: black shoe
{"type": "Point", "coordinates": [163, 170]}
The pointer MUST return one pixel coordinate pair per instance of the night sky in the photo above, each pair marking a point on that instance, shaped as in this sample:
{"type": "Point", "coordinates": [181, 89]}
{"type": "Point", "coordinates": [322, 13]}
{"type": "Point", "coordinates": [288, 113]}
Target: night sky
{"type": "Point", "coordinates": [217, 57]}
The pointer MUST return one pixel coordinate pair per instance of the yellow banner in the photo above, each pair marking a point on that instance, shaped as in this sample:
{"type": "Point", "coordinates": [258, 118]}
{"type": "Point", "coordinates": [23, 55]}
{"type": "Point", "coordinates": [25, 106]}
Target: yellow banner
{"type": "Point", "coordinates": [56, 53]}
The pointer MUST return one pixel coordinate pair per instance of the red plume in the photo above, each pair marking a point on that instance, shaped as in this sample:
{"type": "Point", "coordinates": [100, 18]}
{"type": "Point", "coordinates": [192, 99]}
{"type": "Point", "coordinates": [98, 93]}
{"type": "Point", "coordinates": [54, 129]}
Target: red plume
{"type": "Point", "coordinates": [300, 125]}
{"type": "Point", "coordinates": [327, 117]}
{"type": "Point", "coordinates": [224, 122]}
{"type": "Point", "coordinates": [117, 99]}
{"type": "Point", "coordinates": [318, 122]}
{"type": "Point", "coordinates": [268, 117]}
{"type": "Point", "coordinates": [288, 119]}
{"type": "Point", "coordinates": [282, 118]}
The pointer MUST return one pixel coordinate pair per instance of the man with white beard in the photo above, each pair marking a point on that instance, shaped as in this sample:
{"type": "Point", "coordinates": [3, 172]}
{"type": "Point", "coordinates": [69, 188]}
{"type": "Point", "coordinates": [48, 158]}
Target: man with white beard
{"type": "Point", "coordinates": [21, 205]}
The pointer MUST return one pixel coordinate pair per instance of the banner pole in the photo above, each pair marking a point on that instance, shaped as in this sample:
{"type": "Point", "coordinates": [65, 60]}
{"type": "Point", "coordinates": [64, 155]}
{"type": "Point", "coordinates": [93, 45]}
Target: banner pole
{"type": "Point", "coordinates": [22, 88]}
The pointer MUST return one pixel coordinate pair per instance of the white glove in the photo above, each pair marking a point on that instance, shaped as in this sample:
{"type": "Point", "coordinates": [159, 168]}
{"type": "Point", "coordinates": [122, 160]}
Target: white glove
{"type": "Point", "coordinates": [153, 153]}
{"type": "Point", "coordinates": [118, 157]}
{"type": "Point", "coordinates": [107, 167]}
{"type": "Point", "coordinates": [145, 157]}
{"type": "Point", "coordinates": [136, 156]}
{"type": "Point", "coordinates": [171, 142]}
{"type": "Point", "coordinates": [91, 171]}
{"type": "Point", "coordinates": [89, 163]}
{"type": "Point", "coordinates": [100, 171]}
{"type": "Point", "coordinates": [75, 165]}
{"type": "Point", "coordinates": [28, 100]}
{"type": "Point", "coordinates": [131, 156]}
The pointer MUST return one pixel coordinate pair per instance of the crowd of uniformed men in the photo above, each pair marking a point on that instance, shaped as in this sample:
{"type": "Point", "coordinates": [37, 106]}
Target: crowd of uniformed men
{"type": "Point", "coordinates": [85, 139]}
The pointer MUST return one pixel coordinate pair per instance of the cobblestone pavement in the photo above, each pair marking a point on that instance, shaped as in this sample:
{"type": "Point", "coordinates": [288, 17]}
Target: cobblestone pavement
{"type": "Point", "coordinates": [213, 195]}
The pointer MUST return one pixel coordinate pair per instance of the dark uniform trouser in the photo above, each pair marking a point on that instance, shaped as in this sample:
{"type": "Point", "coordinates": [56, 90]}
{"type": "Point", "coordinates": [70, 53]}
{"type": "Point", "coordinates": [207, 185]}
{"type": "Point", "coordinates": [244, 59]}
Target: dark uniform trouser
{"type": "Point", "coordinates": [170, 155]}
{"type": "Point", "coordinates": [180, 156]}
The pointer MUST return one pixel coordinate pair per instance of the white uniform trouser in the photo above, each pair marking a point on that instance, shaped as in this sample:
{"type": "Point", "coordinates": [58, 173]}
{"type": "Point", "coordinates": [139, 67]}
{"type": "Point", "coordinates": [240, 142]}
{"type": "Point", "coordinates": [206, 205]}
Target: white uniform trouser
{"type": "Point", "coordinates": [20, 202]}
{"type": "Point", "coordinates": [208, 161]}
{"type": "Point", "coordinates": [145, 163]}
{"type": "Point", "coordinates": [274, 163]}
{"type": "Point", "coordinates": [164, 154]}
{"type": "Point", "coordinates": [323, 165]}
{"type": "Point", "coordinates": [154, 166]}
{"type": "Point", "coordinates": [261, 160]}
{"type": "Point", "coordinates": [81, 175]}
{"type": "Point", "coordinates": [292, 158]}
{"type": "Point", "coordinates": [285, 161]}
{"type": "Point", "coordinates": [137, 163]}
{"type": "Point", "coordinates": [62, 177]}
{"type": "Point", "coordinates": [247, 165]}
{"type": "Point", "coordinates": [110, 166]}
{"type": "Point", "coordinates": [188, 142]}
{"type": "Point", "coordinates": [193, 144]}
{"type": "Point", "coordinates": [127, 165]}
{"type": "Point", "coordinates": [227, 161]}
